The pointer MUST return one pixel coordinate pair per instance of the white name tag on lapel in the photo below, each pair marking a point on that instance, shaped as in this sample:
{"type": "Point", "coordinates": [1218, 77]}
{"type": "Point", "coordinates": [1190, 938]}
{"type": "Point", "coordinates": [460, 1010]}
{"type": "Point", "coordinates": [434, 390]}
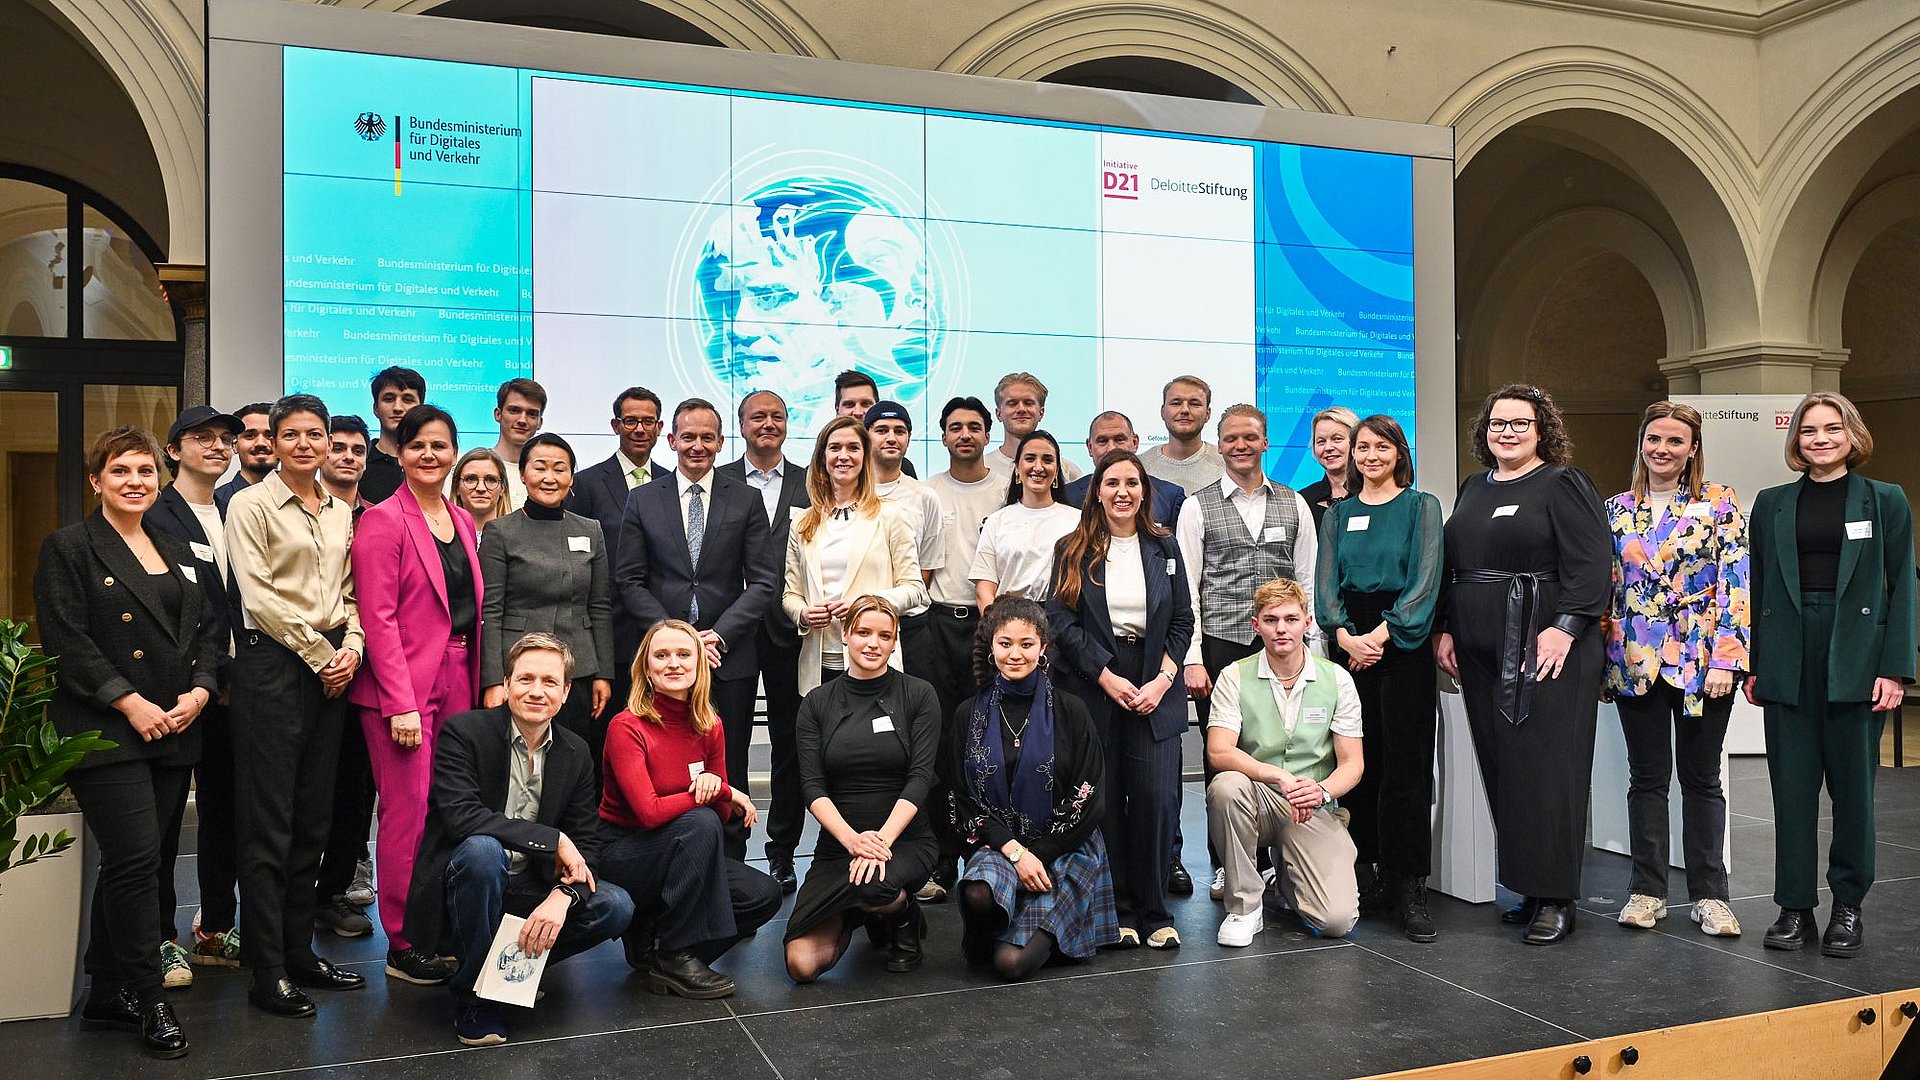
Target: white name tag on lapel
{"type": "Point", "coordinates": [188, 573]}
{"type": "Point", "coordinates": [1359, 524]}
{"type": "Point", "coordinates": [1275, 534]}
{"type": "Point", "coordinates": [1170, 567]}
{"type": "Point", "coordinates": [203, 552]}
{"type": "Point", "coordinates": [1859, 530]}
{"type": "Point", "coordinates": [1699, 510]}
{"type": "Point", "coordinates": [695, 768]}
{"type": "Point", "coordinates": [579, 543]}
{"type": "Point", "coordinates": [1506, 511]}
{"type": "Point", "coordinates": [882, 723]}
{"type": "Point", "coordinates": [1314, 716]}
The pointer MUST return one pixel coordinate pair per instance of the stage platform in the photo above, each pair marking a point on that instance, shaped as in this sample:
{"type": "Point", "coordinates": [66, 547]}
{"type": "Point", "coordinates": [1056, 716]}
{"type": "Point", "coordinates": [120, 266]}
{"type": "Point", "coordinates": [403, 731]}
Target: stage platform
{"type": "Point", "coordinates": [1291, 1005]}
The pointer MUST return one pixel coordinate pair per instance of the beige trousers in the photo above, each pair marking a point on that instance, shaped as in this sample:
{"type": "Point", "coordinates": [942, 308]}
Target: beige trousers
{"type": "Point", "coordinates": [1314, 858]}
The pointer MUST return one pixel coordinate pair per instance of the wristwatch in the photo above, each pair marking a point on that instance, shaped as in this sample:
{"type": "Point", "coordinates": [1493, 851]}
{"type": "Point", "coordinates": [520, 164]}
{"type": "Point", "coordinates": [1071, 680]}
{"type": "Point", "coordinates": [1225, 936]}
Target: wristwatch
{"type": "Point", "coordinates": [572, 894]}
{"type": "Point", "coordinates": [1326, 797]}
{"type": "Point", "coordinates": [1018, 854]}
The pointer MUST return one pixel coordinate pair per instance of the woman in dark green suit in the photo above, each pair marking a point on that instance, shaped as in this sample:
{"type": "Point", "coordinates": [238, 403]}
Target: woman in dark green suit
{"type": "Point", "coordinates": [1833, 646]}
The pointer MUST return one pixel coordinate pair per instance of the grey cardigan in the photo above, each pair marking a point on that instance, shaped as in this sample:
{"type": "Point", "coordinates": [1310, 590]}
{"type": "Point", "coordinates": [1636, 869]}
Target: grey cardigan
{"type": "Point", "coordinates": [549, 576]}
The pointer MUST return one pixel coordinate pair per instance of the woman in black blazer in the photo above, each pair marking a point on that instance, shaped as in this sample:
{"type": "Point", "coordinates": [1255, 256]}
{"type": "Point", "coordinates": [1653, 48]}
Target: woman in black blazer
{"type": "Point", "coordinates": [546, 570]}
{"type": "Point", "coordinates": [1124, 663]}
{"type": "Point", "coordinates": [122, 613]}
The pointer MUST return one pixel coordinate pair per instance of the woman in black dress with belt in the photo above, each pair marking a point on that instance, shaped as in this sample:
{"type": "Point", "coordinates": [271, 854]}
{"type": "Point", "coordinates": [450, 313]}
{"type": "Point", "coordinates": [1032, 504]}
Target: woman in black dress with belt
{"type": "Point", "coordinates": [869, 743]}
{"type": "Point", "coordinates": [1529, 572]}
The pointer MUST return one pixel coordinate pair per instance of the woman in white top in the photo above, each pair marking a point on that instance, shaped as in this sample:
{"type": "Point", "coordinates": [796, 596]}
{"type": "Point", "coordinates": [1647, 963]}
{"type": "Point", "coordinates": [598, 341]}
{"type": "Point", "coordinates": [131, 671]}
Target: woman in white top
{"type": "Point", "coordinates": [847, 544]}
{"type": "Point", "coordinates": [1015, 556]}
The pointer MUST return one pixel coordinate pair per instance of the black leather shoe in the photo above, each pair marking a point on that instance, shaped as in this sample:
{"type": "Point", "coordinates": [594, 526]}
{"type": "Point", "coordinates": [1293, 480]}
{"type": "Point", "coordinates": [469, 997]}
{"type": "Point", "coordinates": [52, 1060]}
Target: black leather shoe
{"type": "Point", "coordinates": [1552, 923]}
{"type": "Point", "coordinates": [687, 975]}
{"type": "Point", "coordinates": [1179, 882]}
{"type": "Point", "coordinates": [1846, 931]}
{"type": "Point", "coordinates": [1522, 913]}
{"type": "Point", "coordinates": [638, 943]}
{"type": "Point", "coordinates": [118, 1011]}
{"type": "Point", "coordinates": [1410, 902]}
{"type": "Point", "coordinates": [1794, 929]}
{"type": "Point", "coordinates": [420, 967]}
{"type": "Point", "coordinates": [324, 976]}
{"type": "Point", "coordinates": [782, 872]}
{"type": "Point", "coordinates": [160, 1032]}
{"type": "Point", "coordinates": [903, 951]}
{"type": "Point", "coordinates": [281, 998]}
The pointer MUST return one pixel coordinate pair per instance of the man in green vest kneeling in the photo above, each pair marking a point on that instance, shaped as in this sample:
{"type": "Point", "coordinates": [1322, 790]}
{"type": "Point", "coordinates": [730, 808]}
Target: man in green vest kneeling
{"type": "Point", "coordinates": [1284, 751]}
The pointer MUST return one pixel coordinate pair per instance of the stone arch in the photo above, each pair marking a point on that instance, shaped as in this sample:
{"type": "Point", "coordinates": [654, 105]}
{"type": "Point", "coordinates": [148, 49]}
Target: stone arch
{"type": "Point", "coordinates": [1885, 206]}
{"type": "Point", "coordinates": [1038, 39]}
{"type": "Point", "coordinates": [754, 25]}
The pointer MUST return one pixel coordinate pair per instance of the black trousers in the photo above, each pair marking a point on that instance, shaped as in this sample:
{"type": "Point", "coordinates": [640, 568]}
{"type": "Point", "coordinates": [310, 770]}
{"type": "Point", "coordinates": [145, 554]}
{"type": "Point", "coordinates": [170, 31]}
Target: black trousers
{"type": "Point", "coordinates": [128, 804]}
{"type": "Point", "coordinates": [780, 681]}
{"type": "Point", "coordinates": [948, 660]}
{"type": "Point", "coordinates": [217, 832]}
{"type": "Point", "coordinates": [352, 813]}
{"type": "Point", "coordinates": [1142, 806]}
{"type": "Point", "coordinates": [1660, 737]}
{"type": "Point", "coordinates": [686, 891]}
{"type": "Point", "coordinates": [733, 700]}
{"type": "Point", "coordinates": [1392, 805]}
{"type": "Point", "coordinates": [286, 744]}
{"type": "Point", "coordinates": [1215, 655]}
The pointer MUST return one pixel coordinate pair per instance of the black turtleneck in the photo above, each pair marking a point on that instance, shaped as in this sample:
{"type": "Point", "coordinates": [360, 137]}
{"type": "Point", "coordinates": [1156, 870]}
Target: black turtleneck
{"type": "Point", "coordinates": [1821, 524]}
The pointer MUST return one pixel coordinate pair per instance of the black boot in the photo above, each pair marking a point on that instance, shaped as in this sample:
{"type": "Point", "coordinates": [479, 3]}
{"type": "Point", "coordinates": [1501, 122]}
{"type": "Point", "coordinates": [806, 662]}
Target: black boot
{"type": "Point", "coordinates": [908, 927]}
{"type": "Point", "coordinates": [687, 975]}
{"type": "Point", "coordinates": [160, 1033]}
{"type": "Point", "coordinates": [638, 944]}
{"type": "Point", "coordinates": [1552, 923]}
{"type": "Point", "coordinates": [1794, 929]}
{"type": "Point", "coordinates": [1381, 894]}
{"type": "Point", "coordinates": [1846, 931]}
{"type": "Point", "coordinates": [1411, 901]}
{"type": "Point", "coordinates": [116, 1010]}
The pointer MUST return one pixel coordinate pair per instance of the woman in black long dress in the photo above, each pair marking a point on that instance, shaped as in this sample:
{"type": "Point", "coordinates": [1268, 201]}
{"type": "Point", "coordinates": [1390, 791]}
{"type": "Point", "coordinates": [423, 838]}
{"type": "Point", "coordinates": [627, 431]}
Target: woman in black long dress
{"type": "Point", "coordinates": [869, 743]}
{"type": "Point", "coordinates": [1529, 561]}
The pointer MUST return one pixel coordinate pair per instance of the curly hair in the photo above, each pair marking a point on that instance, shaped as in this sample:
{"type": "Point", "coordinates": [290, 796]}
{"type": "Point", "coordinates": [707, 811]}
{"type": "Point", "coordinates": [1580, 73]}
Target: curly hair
{"type": "Point", "coordinates": [1556, 446]}
{"type": "Point", "coordinates": [1005, 610]}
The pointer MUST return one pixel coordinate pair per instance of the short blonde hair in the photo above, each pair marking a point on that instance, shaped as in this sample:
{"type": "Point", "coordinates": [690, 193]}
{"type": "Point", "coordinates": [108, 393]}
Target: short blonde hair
{"type": "Point", "coordinates": [1281, 591]}
{"type": "Point", "coordinates": [1187, 380]}
{"type": "Point", "coordinates": [1858, 436]}
{"type": "Point", "coordinates": [867, 604]}
{"type": "Point", "coordinates": [1016, 378]}
{"type": "Point", "coordinates": [1242, 409]}
{"type": "Point", "coordinates": [540, 641]}
{"type": "Point", "coordinates": [1339, 414]}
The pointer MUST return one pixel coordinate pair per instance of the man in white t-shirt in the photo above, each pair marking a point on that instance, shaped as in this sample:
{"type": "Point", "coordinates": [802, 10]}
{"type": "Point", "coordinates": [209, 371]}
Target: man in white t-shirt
{"type": "Point", "coordinates": [1186, 404]}
{"type": "Point", "coordinates": [1020, 403]}
{"type": "Point", "coordinates": [891, 429]}
{"type": "Point", "coordinates": [1284, 736]}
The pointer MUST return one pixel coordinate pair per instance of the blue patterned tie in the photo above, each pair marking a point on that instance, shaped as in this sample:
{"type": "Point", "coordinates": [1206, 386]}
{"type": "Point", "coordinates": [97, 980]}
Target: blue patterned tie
{"type": "Point", "coordinates": [696, 533]}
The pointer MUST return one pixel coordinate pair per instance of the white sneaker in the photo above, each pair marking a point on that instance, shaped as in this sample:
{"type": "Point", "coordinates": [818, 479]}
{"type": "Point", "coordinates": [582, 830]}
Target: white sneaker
{"type": "Point", "coordinates": [360, 893]}
{"type": "Point", "coordinates": [1715, 918]}
{"type": "Point", "coordinates": [1236, 931]}
{"type": "Point", "coordinates": [1218, 890]}
{"type": "Point", "coordinates": [1643, 911]}
{"type": "Point", "coordinates": [174, 972]}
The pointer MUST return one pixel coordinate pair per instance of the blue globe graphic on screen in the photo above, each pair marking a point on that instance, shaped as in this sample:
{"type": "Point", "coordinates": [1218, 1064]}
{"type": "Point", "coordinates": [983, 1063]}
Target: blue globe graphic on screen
{"type": "Point", "coordinates": [808, 277]}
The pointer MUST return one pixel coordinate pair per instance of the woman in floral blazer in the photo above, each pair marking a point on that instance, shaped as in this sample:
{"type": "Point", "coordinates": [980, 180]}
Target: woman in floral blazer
{"type": "Point", "coordinates": [1676, 646]}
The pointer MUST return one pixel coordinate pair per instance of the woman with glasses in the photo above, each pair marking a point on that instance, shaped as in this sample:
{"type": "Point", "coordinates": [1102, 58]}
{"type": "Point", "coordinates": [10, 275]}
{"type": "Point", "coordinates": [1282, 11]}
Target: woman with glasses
{"type": "Point", "coordinates": [1530, 563]}
{"type": "Point", "coordinates": [546, 570]}
{"type": "Point", "coordinates": [480, 486]}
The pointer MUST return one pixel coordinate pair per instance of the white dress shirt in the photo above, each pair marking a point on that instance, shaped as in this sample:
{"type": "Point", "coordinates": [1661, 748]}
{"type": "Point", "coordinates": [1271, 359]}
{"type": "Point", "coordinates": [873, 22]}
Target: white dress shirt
{"type": "Point", "coordinates": [1190, 534]}
{"type": "Point", "coordinates": [1225, 710]}
{"type": "Point", "coordinates": [768, 482]}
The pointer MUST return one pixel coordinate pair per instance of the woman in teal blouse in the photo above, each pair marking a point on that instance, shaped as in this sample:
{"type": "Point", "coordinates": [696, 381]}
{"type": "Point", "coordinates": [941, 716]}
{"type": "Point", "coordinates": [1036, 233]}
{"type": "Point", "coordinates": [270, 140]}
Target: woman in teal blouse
{"type": "Point", "coordinates": [1378, 579]}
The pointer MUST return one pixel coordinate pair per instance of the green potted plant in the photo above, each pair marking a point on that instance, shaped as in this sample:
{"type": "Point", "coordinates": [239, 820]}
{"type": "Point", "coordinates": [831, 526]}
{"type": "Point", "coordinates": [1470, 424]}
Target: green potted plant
{"type": "Point", "coordinates": [41, 897]}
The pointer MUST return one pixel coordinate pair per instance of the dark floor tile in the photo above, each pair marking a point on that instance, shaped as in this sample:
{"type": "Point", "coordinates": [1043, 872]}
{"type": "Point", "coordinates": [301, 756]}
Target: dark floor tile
{"type": "Point", "coordinates": [1890, 962]}
{"type": "Point", "coordinates": [718, 1048]}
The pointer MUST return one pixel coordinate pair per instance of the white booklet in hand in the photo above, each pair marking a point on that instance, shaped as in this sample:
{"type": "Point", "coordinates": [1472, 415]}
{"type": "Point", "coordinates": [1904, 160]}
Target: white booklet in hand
{"type": "Point", "coordinates": [508, 975]}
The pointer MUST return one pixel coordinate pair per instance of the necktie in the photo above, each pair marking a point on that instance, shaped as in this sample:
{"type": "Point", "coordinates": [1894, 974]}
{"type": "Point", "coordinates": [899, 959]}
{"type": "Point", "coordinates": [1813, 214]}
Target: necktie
{"type": "Point", "coordinates": [696, 533]}
{"type": "Point", "coordinates": [638, 475]}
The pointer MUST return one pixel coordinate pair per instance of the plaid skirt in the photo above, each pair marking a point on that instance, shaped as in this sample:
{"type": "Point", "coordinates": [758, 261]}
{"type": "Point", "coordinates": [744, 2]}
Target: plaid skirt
{"type": "Point", "coordinates": [1078, 912]}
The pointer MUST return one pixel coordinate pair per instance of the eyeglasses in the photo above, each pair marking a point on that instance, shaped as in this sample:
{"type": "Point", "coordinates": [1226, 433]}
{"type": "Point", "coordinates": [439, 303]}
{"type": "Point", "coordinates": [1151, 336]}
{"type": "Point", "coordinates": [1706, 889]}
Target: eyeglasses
{"type": "Point", "coordinates": [1518, 427]}
{"type": "Point", "coordinates": [480, 481]}
{"type": "Point", "coordinates": [210, 439]}
{"type": "Point", "coordinates": [635, 423]}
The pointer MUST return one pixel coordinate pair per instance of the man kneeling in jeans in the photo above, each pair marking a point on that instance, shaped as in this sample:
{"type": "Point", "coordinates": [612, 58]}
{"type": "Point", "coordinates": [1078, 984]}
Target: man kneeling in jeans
{"type": "Point", "coordinates": [513, 827]}
{"type": "Point", "coordinates": [1285, 736]}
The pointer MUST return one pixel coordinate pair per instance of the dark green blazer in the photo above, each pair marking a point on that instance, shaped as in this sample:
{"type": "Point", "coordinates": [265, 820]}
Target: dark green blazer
{"type": "Point", "coordinates": [1873, 625]}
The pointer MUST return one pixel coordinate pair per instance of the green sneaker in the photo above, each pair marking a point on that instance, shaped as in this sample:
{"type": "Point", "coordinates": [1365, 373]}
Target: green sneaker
{"type": "Point", "coordinates": [217, 950]}
{"type": "Point", "coordinates": [175, 974]}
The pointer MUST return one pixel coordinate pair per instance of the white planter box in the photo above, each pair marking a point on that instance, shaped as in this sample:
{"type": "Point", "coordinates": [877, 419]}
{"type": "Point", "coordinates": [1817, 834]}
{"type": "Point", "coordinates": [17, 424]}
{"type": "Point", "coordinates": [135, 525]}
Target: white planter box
{"type": "Point", "coordinates": [42, 924]}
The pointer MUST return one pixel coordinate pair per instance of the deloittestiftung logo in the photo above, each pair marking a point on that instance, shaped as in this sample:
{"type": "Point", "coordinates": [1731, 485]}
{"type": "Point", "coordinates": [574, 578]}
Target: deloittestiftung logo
{"type": "Point", "coordinates": [370, 126]}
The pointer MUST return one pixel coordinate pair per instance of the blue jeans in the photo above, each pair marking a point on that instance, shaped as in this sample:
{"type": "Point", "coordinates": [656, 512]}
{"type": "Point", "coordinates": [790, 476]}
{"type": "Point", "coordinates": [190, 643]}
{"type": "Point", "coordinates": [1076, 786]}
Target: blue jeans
{"type": "Point", "coordinates": [480, 891]}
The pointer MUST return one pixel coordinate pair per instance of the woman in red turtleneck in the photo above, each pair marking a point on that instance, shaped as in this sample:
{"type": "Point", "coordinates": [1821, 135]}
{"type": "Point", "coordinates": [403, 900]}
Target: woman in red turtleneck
{"type": "Point", "coordinates": [665, 798]}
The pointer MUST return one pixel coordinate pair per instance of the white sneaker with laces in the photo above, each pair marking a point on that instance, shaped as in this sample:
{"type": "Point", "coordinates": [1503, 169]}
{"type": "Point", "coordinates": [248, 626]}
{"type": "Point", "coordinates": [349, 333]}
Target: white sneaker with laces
{"type": "Point", "coordinates": [1218, 890]}
{"type": "Point", "coordinates": [1643, 911]}
{"type": "Point", "coordinates": [1236, 931]}
{"type": "Point", "coordinates": [1716, 919]}
{"type": "Point", "coordinates": [175, 974]}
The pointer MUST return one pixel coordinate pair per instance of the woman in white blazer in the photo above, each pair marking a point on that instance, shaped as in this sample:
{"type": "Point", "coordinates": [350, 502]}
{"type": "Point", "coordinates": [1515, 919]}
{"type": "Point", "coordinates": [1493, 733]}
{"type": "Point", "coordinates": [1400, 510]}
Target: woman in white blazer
{"type": "Point", "coordinates": [846, 545]}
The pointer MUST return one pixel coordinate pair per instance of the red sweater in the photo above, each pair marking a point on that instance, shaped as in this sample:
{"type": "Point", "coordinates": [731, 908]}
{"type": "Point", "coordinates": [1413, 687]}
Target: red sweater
{"type": "Point", "coordinates": [647, 768]}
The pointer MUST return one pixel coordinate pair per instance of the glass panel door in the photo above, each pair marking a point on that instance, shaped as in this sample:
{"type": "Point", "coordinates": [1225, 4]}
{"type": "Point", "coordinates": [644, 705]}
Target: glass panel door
{"type": "Point", "coordinates": [106, 407]}
{"type": "Point", "coordinates": [30, 489]}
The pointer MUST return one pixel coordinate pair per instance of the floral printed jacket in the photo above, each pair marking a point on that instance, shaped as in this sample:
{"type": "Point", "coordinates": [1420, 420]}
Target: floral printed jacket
{"type": "Point", "coordinates": [1680, 600]}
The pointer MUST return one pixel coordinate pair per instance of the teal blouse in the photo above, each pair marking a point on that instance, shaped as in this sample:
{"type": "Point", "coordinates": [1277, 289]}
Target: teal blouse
{"type": "Point", "coordinates": [1393, 548]}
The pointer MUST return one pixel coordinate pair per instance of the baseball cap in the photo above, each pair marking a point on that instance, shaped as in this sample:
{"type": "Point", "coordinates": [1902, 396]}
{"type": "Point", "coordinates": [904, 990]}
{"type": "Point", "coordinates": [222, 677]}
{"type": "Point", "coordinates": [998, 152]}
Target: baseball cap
{"type": "Point", "coordinates": [201, 416]}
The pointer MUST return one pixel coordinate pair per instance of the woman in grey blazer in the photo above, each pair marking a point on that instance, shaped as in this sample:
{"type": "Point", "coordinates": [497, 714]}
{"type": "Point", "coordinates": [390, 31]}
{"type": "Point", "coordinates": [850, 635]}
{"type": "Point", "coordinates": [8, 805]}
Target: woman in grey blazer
{"type": "Point", "coordinates": [546, 569]}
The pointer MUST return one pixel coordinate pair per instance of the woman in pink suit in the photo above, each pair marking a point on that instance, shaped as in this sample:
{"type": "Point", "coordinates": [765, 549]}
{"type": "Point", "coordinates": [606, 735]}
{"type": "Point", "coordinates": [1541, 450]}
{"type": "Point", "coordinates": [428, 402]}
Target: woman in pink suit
{"type": "Point", "coordinates": [417, 573]}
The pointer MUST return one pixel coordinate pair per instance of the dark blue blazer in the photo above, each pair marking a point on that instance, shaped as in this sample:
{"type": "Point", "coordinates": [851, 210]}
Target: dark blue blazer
{"type": "Point", "coordinates": [172, 515]}
{"type": "Point", "coordinates": [1083, 641]}
{"type": "Point", "coordinates": [600, 492]}
{"type": "Point", "coordinates": [223, 494]}
{"type": "Point", "coordinates": [793, 495]}
{"type": "Point", "coordinates": [736, 580]}
{"type": "Point", "coordinates": [1167, 497]}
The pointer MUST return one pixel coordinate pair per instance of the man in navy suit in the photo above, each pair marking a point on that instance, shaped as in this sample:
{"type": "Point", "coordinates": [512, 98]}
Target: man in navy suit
{"type": "Point", "coordinates": [783, 488]}
{"type": "Point", "coordinates": [600, 492]}
{"type": "Point", "coordinates": [696, 546]}
{"type": "Point", "coordinates": [1113, 431]}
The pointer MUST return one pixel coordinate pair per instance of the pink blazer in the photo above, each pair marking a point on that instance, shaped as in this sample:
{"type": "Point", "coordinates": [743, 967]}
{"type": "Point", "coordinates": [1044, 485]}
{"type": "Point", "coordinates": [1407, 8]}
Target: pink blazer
{"type": "Point", "coordinates": [402, 592]}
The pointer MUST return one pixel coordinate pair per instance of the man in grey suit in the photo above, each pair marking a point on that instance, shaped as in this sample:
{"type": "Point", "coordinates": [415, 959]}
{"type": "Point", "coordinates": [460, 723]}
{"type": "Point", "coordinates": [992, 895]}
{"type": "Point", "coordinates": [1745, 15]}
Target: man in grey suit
{"type": "Point", "coordinates": [783, 487]}
{"type": "Point", "coordinates": [696, 546]}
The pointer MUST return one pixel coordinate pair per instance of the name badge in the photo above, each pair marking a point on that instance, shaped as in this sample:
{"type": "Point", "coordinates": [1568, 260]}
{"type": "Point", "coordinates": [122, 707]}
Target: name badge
{"type": "Point", "coordinates": [1314, 716]}
{"type": "Point", "coordinates": [1699, 510]}
{"type": "Point", "coordinates": [579, 543]}
{"type": "Point", "coordinates": [1359, 524]}
{"type": "Point", "coordinates": [947, 519]}
{"type": "Point", "coordinates": [1506, 511]}
{"type": "Point", "coordinates": [695, 768]}
{"type": "Point", "coordinates": [1170, 567]}
{"type": "Point", "coordinates": [188, 573]}
{"type": "Point", "coordinates": [1859, 530]}
{"type": "Point", "coordinates": [1275, 534]}
{"type": "Point", "coordinates": [882, 724]}
{"type": "Point", "coordinates": [203, 552]}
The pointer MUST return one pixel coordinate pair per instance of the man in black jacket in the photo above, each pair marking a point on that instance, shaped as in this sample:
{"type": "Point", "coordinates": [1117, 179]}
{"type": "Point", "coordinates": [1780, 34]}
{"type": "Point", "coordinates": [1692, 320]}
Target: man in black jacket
{"type": "Point", "coordinates": [513, 827]}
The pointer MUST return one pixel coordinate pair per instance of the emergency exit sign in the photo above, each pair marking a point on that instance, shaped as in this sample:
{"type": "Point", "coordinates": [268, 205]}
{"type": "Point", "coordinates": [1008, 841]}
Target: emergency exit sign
{"type": "Point", "coordinates": [6, 357]}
